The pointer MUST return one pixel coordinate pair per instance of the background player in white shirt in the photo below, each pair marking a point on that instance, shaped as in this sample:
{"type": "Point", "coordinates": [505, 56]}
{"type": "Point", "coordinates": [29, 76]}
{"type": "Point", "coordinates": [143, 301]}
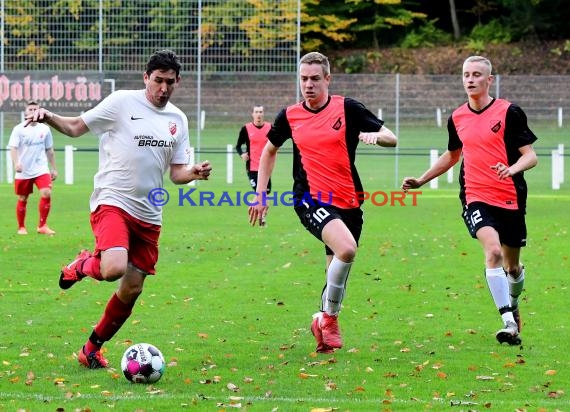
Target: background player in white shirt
{"type": "Point", "coordinates": [141, 135]}
{"type": "Point", "coordinates": [31, 151]}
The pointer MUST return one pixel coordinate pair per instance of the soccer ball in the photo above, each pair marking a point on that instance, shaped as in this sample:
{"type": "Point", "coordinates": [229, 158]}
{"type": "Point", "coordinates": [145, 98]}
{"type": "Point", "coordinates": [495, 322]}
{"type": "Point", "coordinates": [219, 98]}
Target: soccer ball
{"type": "Point", "coordinates": [143, 363]}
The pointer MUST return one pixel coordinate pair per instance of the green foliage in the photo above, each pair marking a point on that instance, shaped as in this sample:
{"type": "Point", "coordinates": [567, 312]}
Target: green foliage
{"type": "Point", "coordinates": [325, 26]}
{"type": "Point", "coordinates": [353, 63]}
{"type": "Point", "coordinates": [428, 35]}
{"type": "Point", "coordinates": [493, 32]}
{"type": "Point", "coordinates": [475, 45]}
{"type": "Point", "coordinates": [39, 30]}
{"type": "Point", "coordinates": [559, 51]}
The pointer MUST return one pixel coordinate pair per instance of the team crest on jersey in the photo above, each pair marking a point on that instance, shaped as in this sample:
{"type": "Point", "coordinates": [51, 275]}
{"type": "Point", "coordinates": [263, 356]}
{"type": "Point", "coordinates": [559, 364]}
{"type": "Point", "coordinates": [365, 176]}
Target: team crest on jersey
{"type": "Point", "coordinates": [496, 126]}
{"type": "Point", "coordinates": [338, 124]}
{"type": "Point", "coordinates": [172, 128]}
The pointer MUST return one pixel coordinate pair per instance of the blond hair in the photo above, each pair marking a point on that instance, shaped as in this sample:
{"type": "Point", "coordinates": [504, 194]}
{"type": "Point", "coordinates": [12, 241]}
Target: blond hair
{"type": "Point", "coordinates": [317, 58]}
{"type": "Point", "coordinates": [479, 59]}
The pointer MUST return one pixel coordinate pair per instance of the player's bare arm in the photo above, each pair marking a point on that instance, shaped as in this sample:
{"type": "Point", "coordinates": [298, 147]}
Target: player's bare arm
{"type": "Point", "coordinates": [69, 126]}
{"type": "Point", "coordinates": [384, 137]}
{"type": "Point", "coordinates": [527, 161]}
{"type": "Point", "coordinates": [15, 161]}
{"type": "Point", "coordinates": [181, 174]}
{"type": "Point", "coordinates": [266, 164]}
{"type": "Point", "coordinates": [50, 153]}
{"type": "Point", "coordinates": [446, 161]}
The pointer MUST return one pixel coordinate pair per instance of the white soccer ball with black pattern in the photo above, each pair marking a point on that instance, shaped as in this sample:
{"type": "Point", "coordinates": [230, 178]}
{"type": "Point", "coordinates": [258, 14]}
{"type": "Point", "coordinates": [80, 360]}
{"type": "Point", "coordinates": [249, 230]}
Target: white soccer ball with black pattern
{"type": "Point", "coordinates": [143, 363]}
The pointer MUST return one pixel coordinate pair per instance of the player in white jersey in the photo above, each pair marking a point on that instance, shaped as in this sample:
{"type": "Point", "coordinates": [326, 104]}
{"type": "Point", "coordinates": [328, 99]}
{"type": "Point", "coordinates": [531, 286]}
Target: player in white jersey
{"type": "Point", "coordinates": [32, 154]}
{"type": "Point", "coordinates": [141, 136]}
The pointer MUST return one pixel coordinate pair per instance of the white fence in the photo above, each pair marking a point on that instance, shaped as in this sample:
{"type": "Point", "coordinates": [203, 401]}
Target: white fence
{"type": "Point", "coordinates": [557, 158]}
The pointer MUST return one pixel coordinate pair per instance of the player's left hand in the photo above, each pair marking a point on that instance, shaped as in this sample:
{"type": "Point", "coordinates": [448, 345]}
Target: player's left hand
{"type": "Point", "coordinates": [368, 138]}
{"type": "Point", "coordinates": [53, 174]}
{"type": "Point", "coordinates": [202, 170]}
{"type": "Point", "coordinates": [503, 171]}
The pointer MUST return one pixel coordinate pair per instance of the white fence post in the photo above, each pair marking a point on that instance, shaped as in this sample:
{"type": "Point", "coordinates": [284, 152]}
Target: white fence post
{"type": "Point", "coordinates": [69, 172]}
{"type": "Point", "coordinates": [450, 175]}
{"type": "Point", "coordinates": [438, 116]}
{"type": "Point", "coordinates": [191, 160]}
{"type": "Point", "coordinates": [555, 170]}
{"type": "Point", "coordinates": [433, 156]}
{"type": "Point", "coordinates": [230, 164]}
{"type": "Point", "coordinates": [561, 161]}
{"type": "Point", "coordinates": [9, 167]}
{"type": "Point", "coordinates": [560, 117]}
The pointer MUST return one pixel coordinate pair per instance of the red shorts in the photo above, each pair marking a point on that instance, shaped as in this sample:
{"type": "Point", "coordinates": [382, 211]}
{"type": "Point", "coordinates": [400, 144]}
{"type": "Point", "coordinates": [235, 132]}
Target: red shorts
{"type": "Point", "coordinates": [24, 187]}
{"type": "Point", "coordinates": [113, 227]}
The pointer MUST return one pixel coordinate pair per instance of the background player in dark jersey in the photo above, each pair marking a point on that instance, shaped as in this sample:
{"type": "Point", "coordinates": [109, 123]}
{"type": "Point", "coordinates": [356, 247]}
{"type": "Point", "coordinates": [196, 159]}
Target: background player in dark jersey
{"type": "Point", "coordinates": [496, 144]}
{"type": "Point", "coordinates": [325, 130]}
{"type": "Point", "coordinates": [254, 136]}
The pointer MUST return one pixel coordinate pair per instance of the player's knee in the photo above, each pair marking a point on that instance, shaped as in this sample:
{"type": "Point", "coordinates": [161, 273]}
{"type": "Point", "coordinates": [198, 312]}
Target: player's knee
{"type": "Point", "coordinates": [45, 193]}
{"type": "Point", "coordinates": [494, 255]}
{"type": "Point", "coordinates": [347, 252]}
{"type": "Point", "coordinates": [513, 270]}
{"type": "Point", "coordinates": [111, 271]}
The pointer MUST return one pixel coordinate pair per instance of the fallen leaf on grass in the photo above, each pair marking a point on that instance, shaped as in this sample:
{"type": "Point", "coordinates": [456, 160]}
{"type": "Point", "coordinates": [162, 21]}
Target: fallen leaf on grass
{"type": "Point", "coordinates": [228, 405]}
{"type": "Point", "coordinates": [30, 376]}
{"type": "Point", "coordinates": [330, 386]}
{"type": "Point", "coordinates": [484, 378]}
{"type": "Point", "coordinates": [232, 387]}
{"type": "Point", "coordinates": [550, 372]}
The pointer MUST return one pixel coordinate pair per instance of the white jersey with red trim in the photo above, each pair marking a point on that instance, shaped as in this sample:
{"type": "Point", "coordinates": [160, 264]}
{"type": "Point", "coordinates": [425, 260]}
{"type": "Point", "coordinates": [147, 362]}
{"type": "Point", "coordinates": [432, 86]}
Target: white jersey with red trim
{"type": "Point", "coordinates": [31, 143]}
{"type": "Point", "coordinates": [137, 144]}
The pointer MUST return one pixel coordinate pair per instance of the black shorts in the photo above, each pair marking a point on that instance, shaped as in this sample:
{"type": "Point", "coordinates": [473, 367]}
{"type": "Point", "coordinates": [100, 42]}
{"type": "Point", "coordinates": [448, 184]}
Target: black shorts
{"type": "Point", "coordinates": [252, 176]}
{"type": "Point", "coordinates": [314, 217]}
{"type": "Point", "coordinates": [510, 224]}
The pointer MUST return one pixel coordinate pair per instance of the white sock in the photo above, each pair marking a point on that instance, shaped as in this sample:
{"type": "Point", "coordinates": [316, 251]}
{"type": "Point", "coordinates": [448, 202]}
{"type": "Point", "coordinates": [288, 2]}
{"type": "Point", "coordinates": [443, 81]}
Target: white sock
{"type": "Point", "coordinates": [516, 287]}
{"type": "Point", "coordinates": [333, 294]}
{"type": "Point", "coordinates": [499, 288]}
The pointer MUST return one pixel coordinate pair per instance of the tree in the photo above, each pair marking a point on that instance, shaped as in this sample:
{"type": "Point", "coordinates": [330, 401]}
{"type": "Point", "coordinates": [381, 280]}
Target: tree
{"type": "Point", "coordinates": [454, 22]}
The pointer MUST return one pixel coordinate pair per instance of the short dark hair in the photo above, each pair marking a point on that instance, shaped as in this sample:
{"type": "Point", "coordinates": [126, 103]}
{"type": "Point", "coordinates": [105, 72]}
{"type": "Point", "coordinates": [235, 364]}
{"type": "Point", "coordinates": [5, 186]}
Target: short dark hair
{"type": "Point", "coordinates": [163, 60]}
{"type": "Point", "coordinates": [32, 103]}
{"type": "Point", "coordinates": [317, 58]}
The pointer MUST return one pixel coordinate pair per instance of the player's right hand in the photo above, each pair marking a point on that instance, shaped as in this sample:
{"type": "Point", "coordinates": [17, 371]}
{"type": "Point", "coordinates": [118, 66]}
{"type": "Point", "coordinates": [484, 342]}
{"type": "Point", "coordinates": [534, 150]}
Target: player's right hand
{"type": "Point", "coordinates": [410, 183]}
{"type": "Point", "coordinates": [258, 211]}
{"type": "Point", "coordinates": [40, 115]}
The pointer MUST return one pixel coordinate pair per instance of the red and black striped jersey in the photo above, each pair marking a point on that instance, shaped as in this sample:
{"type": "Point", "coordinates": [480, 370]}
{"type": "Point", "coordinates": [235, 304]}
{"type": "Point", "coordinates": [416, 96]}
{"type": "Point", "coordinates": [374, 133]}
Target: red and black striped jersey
{"type": "Point", "coordinates": [324, 148]}
{"type": "Point", "coordinates": [254, 137]}
{"type": "Point", "coordinates": [494, 134]}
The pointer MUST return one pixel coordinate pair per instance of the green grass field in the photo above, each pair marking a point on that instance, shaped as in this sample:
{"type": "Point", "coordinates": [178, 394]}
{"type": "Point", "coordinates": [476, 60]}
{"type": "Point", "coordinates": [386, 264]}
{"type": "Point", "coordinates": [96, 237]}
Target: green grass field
{"type": "Point", "coordinates": [231, 305]}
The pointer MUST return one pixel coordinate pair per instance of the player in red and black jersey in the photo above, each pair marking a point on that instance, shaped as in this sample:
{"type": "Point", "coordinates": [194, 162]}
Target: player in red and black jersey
{"type": "Point", "coordinates": [496, 144]}
{"type": "Point", "coordinates": [325, 131]}
{"type": "Point", "coordinates": [254, 136]}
